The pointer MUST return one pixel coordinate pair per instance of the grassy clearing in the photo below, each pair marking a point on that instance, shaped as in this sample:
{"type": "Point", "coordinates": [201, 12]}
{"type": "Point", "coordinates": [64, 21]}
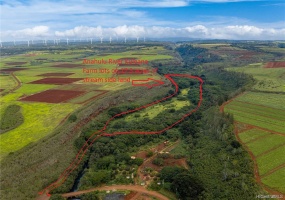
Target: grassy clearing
{"type": "Point", "coordinates": [270, 141]}
{"type": "Point", "coordinates": [256, 120]}
{"type": "Point", "coordinates": [276, 180]}
{"type": "Point", "coordinates": [28, 89]}
{"type": "Point", "coordinates": [153, 111]}
{"type": "Point", "coordinates": [265, 99]}
{"type": "Point", "coordinates": [7, 82]}
{"type": "Point", "coordinates": [271, 160]}
{"type": "Point", "coordinates": [84, 97]}
{"type": "Point", "coordinates": [252, 134]}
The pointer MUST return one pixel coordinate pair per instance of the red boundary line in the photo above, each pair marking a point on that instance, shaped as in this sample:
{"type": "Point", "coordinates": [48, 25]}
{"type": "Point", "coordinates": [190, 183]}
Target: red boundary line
{"type": "Point", "coordinates": [87, 144]}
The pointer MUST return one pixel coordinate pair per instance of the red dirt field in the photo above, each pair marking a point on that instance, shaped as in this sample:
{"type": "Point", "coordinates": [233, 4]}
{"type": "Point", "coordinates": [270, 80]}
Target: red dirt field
{"type": "Point", "coordinates": [275, 65]}
{"type": "Point", "coordinates": [1, 90]}
{"type": "Point", "coordinates": [67, 65]}
{"type": "Point", "coordinates": [12, 69]}
{"type": "Point", "coordinates": [56, 81]}
{"type": "Point", "coordinates": [53, 96]}
{"type": "Point", "coordinates": [56, 74]}
{"type": "Point", "coordinates": [15, 63]}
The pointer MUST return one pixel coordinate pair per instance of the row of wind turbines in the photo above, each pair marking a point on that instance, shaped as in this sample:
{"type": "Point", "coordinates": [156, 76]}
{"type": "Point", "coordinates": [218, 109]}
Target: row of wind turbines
{"type": "Point", "coordinates": [67, 41]}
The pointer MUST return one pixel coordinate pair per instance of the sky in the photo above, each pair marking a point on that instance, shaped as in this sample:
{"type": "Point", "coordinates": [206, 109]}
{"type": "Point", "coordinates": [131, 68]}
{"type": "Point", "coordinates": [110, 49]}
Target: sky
{"type": "Point", "coordinates": [193, 19]}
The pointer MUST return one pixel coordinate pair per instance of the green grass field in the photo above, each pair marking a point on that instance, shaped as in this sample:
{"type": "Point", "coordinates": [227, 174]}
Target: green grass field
{"type": "Point", "coordinates": [252, 134]}
{"type": "Point", "coordinates": [268, 79]}
{"type": "Point", "coordinates": [276, 180]}
{"type": "Point", "coordinates": [271, 160]}
{"type": "Point", "coordinates": [266, 143]}
{"type": "Point", "coordinates": [264, 99]}
{"type": "Point", "coordinates": [257, 120]}
{"type": "Point", "coordinates": [153, 111]}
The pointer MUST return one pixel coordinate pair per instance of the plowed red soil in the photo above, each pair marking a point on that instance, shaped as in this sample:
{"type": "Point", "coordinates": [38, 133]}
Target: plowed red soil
{"type": "Point", "coordinates": [275, 65]}
{"type": "Point", "coordinates": [12, 69]}
{"type": "Point", "coordinates": [53, 96]}
{"type": "Point", "coordinates": [15, 63]}
{"type": "Point", "coordinates": [56, 81]}
{"type": "Point", "coordinates": [67, 65]}
{"type": "Point", "coordinates": [56, 74]}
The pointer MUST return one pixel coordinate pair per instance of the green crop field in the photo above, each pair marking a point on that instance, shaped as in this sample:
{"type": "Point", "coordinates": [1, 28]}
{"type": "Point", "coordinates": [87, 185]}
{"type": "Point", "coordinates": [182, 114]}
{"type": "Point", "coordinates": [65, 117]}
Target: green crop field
{"type": "Point", "coordinates": [257, 120]}
{"type": "Point", "coordinates": [266, 143]}
{"type": "Point", "coordinates": [271, 160]}
{"type": "Point", "coordinates": [268, 79]}
{"type": "Point", "coordinates": [265, 99]}
{"type": "Point", "coordinates": [258, 110]}
{"type": "Point", "coordinates": [275, 180]}
{"type": "Point", "coordinates": [7, 82]}
{"type": "Point", "coordinates": [252, 134]}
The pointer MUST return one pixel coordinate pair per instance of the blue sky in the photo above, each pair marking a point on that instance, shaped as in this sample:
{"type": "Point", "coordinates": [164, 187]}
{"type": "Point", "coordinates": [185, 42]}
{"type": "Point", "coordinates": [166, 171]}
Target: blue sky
{"type": "Point", "coordinates": [214, 19]}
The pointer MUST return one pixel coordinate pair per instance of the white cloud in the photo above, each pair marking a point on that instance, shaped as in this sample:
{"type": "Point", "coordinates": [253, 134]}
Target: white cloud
{"type": "Point", "coordinates": [238, 32]}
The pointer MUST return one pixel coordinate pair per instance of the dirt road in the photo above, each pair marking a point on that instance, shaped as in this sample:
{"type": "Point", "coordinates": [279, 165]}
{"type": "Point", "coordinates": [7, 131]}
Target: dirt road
{"type": "Point", "coordinates": [135, 188]}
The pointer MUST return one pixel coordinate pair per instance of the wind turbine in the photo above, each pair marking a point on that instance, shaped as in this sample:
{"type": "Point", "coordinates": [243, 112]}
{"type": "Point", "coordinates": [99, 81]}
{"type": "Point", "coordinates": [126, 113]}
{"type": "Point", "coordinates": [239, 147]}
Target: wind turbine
{"type": "Point", "coordinates": [125, 39]}
{"type": "Point", "coordinates": [138, 39]}
{"type": "Point", "coordinates": [46, 42]}
{"type": "Point", "coordinates": [91, 40]}
{"type": "Point", "coordinates": [101, 39]}
{"type": "Point", "coordinates": [110, 39]}
{"type": "Point", "coordinates": [66, 41]}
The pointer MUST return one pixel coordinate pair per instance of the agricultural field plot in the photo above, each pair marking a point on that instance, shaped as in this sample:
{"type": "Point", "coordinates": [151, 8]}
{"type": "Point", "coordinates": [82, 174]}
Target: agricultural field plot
{"type": "Point", "coordinates": [53, 96]}
{"type": "Point", "coordinates": [252, 134]}
{"type": "Point", "coordinates": [56, 74]}
{"type": "Point", "coordinates": [40, 120]}
{"type": "Point", "coordinates": [271, 160]}
{"type": "Point", "coordinates": [266, 143]}
{"type": "Point", "coordinates": [56, 81]}
{"type": "Point", "coordinates": [268, 79]}
{"type": "Point", "coordinates": [264, 99]}
{"type": "Point", "coordinates": [87, 97]}
{"type": "Point", "coordinates": [257, 110]}
{"type": "Point", "coordinates": [276, 180]}
{"type": "Point", "coordinates": [7, 82]}
{"type": "Point", "coordinates": [257, 120]}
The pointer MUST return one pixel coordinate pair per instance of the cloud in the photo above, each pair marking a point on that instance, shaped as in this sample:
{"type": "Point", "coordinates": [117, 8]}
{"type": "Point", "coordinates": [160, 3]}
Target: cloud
{"type": "Point", "coordinates": [238, 32]}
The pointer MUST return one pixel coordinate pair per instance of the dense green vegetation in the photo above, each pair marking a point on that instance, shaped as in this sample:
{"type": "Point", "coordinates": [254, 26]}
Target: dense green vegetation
{"type": "Point", "coordinates": [11, 118]}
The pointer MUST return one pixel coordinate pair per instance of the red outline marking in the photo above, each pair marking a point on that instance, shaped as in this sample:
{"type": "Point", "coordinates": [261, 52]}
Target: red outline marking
{"type": "Point", "coordinates": [87, 144]}
{"type": "Point", "coordinates": [158, 82]}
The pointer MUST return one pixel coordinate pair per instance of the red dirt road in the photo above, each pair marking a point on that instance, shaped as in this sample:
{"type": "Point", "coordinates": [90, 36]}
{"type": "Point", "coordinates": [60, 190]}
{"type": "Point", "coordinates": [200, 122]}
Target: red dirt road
{"type": "Point", "coordinates": [135, 188]}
